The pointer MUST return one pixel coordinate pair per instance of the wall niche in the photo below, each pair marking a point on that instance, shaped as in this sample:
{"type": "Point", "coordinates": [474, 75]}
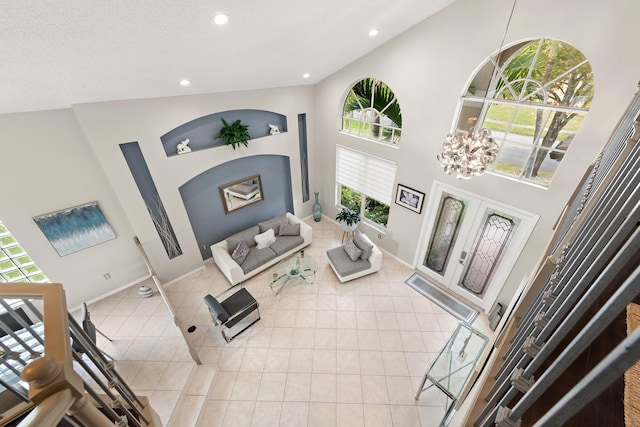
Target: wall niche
{"type": "Point", "coordinates": [210, 222]}
{"type": "Point", "coordinates": [201, 131]}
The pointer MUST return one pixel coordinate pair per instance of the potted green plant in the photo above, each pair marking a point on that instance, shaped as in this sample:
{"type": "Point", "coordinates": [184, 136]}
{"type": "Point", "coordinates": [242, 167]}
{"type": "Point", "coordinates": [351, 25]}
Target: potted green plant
{"type": "Point", "coordinates": [348, 219]}
{"type": "Point", "coordinates": [234, 134]}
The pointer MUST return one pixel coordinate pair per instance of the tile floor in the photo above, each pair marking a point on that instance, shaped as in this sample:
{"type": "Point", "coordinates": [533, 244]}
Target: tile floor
{"type": "Point", "coordinates": [327, 353]}
{"type": "Point", "coordinates": [150, 352]}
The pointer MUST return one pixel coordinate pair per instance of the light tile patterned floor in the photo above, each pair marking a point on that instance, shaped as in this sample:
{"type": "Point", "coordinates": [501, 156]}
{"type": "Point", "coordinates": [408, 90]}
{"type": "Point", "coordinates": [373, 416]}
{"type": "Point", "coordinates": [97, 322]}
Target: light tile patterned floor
{"type": "Point", "coordinates": [326, 353]}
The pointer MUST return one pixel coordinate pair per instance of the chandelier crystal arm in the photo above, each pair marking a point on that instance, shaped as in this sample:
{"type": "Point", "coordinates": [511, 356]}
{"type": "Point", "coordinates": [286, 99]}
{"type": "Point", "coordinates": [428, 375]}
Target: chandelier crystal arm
{"type": "Point", "coordinates": [468, 153]}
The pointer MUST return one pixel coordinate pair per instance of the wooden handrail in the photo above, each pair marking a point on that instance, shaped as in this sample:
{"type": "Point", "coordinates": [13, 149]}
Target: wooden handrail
{"type": "Point", "coordinates": [54, 386]}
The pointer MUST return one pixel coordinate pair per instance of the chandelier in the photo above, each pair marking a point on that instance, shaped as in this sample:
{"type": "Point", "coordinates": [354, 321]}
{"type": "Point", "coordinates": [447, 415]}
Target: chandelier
{"type": "Point", "coordinates": [468, 153]}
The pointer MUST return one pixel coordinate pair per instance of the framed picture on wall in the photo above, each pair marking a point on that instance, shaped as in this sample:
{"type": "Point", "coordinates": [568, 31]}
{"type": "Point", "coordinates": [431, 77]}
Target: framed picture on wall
{"type": "Point", "coordinates": [241, 193]}
{"type": "Point", "coordinates": [76, 228]}
{"type": "Point", "coordinates": [409, 198]}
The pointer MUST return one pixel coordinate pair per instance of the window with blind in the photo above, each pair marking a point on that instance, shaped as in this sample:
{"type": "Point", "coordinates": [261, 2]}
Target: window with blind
{"type": "Point", "coordinates": [364, 183]}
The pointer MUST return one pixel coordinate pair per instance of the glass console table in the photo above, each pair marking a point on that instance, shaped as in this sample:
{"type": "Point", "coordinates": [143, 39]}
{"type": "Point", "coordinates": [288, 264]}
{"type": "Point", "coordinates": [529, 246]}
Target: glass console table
{"type": "Point", "coordinates": [454, 365]}
{"type": "Point", "coordinates": [297, 265]}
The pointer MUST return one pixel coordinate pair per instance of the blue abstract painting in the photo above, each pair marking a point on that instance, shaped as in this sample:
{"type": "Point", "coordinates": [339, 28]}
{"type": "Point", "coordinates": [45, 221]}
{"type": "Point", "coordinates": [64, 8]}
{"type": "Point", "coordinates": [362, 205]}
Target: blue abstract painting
{"type": "Point", "coordinates": [71, 230]}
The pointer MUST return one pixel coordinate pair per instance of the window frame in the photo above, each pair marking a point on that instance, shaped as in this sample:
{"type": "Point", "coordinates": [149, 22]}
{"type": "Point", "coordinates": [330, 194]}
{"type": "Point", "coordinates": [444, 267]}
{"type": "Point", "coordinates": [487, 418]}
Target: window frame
{"type": "Point", "coordinates": [362, 128]}
{"type": "Point", "coordinates": [475, 102]}
{"type": "Point", "coordinates": [368, 162]}
{"type": "Point", "coordinates": [7, 256]}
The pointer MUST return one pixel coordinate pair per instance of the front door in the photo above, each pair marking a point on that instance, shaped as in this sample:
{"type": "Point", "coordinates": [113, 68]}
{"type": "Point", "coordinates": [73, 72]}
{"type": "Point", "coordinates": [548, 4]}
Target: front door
{"type": "Point", "coordinates": [471, 244]}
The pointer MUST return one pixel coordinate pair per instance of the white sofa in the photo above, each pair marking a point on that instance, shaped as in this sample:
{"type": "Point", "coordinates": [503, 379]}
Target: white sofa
{"type": "Point", "coordinates": [259, 259]}
{"type": "Point", "coordinates": [346, 269]}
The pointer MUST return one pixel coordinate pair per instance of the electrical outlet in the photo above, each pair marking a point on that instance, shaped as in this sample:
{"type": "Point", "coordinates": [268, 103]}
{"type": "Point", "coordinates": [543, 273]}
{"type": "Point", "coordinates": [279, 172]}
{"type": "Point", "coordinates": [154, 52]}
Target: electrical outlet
{"type": "Point", "coordinates": [379, 236]}
{"type": "Point", "coordinates": [107, 276]}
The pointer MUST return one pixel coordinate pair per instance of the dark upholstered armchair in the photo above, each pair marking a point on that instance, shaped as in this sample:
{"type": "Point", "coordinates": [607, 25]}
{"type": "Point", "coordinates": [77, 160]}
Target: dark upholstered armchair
{"type": "Point", "coordinates": [232, 311]}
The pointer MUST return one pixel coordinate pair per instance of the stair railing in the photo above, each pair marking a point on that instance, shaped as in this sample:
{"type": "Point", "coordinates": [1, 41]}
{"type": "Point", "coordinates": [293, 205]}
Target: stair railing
{"type": "Point", "coordinates": [41, 354]}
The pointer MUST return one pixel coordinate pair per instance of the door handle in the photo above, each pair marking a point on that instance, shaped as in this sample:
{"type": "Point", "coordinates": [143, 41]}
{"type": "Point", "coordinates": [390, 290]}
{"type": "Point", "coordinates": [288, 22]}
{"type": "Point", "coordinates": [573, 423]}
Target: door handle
{"type": "Point", "coordinates": [463, 255]}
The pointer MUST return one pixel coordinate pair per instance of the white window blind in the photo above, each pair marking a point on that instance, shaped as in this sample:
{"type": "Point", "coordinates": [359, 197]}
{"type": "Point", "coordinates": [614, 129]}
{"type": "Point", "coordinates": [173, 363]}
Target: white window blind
{"type": "Point", "coordinates": [366, 174]}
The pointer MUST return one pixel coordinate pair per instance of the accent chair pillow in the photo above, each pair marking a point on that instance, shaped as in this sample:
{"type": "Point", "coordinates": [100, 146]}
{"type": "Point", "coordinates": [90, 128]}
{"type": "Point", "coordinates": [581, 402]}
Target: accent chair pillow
{"type": "Point", "coordinates": [240, 253]}
{"type": "Point", "coordinates": [264, 240]}
{"type": "Point", "coordinates": [352, 250]}
{"type": "Point", "coordinates": [289, 230]}
{"type": "Point", "coordinates": [363, 244]}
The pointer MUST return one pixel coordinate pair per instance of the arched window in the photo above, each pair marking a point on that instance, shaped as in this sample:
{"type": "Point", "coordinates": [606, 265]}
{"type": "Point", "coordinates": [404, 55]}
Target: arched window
{"type": "Point", "coordinates": [533, 97]}
{"type": "Point", "coordinates": [371, 111]}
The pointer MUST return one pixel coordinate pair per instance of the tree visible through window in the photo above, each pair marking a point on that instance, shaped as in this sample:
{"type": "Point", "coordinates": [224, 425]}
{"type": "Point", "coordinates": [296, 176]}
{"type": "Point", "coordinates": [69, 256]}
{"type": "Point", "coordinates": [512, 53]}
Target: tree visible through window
{"type": "Point", "coordinates": [364, 184]}
{"type": "Point", "coordinates": [367, 207]}
{"type": "Point", "coordinates": [371, 111]}
{"type": "Point", "coordinates": [533, 97]}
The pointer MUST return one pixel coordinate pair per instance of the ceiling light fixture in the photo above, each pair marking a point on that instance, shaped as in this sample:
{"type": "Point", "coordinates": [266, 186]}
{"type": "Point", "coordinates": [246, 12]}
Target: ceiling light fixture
{"type": "Point", "coordinates": [306, 75]}
{"type": "Point", "coordinates": [185, 82]}
{"type": "Point", "coordinates": [374, 32]}
{"type": "Point", "coordinates": [220, 19]}
{"type": "Point", "coordinates": [469, 153]}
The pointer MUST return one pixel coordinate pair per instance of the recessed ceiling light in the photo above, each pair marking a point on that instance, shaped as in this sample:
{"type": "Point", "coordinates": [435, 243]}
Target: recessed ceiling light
{"type": "Point", "coordinates": [220, 19]}
{"type": "Point", "coordinates": [306, 75]}
{"type": "Point", "coordinates": [373, 33]}
{"type": "Point", "coordinates": [185, 82]}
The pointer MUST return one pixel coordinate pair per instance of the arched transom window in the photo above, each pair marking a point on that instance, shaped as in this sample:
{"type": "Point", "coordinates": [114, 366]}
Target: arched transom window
{"type": "Point", "coordinates": [533, 97]}
{"type": "Point", "coordinates": [372, 111]}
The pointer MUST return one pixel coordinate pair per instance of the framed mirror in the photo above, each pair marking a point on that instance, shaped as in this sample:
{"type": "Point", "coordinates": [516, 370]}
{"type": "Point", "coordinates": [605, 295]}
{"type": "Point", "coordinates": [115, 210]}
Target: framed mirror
{"type": "Point", "coordinates": [241, 193]}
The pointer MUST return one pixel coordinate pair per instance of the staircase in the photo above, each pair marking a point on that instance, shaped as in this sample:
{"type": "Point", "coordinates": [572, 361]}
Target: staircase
{"type": "Point", "coordinates": [193, 401]}
{"type": "Point", "coordinates": [44, 380]}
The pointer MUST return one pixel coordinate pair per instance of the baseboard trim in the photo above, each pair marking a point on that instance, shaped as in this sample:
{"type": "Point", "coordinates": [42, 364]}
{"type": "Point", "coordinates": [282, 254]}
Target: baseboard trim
{"type": "Point", "coordinates": [111, 292]}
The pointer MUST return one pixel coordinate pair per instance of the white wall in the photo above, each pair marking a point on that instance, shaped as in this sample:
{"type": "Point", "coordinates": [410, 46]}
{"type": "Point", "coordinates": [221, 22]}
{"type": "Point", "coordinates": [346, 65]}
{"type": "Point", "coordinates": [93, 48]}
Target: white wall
{"type": "Point", "coordinates": [47, 166]}
{"type": "Point", "coordinates": [429, 66]}
{"type": "Point", "coordinates": [109, 124]}
{"type": "Point", "coordinates": [57, 159]}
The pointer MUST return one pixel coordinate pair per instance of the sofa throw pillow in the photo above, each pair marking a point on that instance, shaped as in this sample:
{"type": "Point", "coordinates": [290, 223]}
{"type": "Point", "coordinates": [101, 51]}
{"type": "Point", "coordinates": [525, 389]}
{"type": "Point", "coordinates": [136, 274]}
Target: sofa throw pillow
{"type": "Point", "coordinates": [273, 223]}
{"type": "Point", "coordinates": [240, 253]}
{"type": "Point", "coordinates": [289, 230]}
{"type": "Point", "coordinates": [363, 243]}
{"type": "Point", "coordinates": [352, 250]}
{"type": "Point", "coordinates": [264, 240]}
{"type": "Point", "coordinates": [245, 236]}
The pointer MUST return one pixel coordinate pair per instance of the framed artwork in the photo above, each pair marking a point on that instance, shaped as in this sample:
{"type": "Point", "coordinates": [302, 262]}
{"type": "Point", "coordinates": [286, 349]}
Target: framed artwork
{"type": "Point", "coordinates": [409, 198]}
{"type": "Point", "coordinates": [73, 229]}
{"type": "Point", "coordinates": [241, 193]}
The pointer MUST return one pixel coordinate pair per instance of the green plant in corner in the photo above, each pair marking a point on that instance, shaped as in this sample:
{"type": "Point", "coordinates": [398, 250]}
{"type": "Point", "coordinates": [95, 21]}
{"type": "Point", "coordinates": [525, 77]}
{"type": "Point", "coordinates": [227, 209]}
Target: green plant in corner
{"type": "Point", "coordinates": [348, 216]}
{"type": "Point", "coordinates": [234, 134]}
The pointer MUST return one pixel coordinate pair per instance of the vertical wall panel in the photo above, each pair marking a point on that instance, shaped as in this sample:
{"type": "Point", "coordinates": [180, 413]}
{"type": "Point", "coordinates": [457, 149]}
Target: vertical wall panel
{"type": "Point", "coordinates": [304, 155]}
{"type": "Point", "coordinates": [140, 171]}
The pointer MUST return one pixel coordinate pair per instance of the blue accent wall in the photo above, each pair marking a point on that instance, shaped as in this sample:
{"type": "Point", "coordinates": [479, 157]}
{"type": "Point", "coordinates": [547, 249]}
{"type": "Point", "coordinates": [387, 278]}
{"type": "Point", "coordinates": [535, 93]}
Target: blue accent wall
{"type": "Point", "coordinates": [201, 131]}
{"type": "Point", "coordinates": [203, 203]}
{"type": "Point", "coordinates": [141, 175]}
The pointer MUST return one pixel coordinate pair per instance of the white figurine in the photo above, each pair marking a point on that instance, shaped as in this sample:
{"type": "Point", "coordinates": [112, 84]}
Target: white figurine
{"type": "Point", "coordinates": [273, 129]}
{"type": "Point", "coordinates": [183, 147]}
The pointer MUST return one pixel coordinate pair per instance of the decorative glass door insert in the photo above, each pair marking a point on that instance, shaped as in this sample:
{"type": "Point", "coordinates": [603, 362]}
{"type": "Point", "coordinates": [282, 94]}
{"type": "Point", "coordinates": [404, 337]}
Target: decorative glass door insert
{"type": "Point", "coordinates": [445, 233]}
{"type": "Point", "coordinates": [488, 248]}
{"type": "Point", "coordinates": [472, 244]}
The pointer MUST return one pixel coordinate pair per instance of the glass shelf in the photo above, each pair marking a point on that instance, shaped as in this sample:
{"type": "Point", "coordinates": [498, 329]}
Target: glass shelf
{"type": "Point", "coordinates": [455, 363]}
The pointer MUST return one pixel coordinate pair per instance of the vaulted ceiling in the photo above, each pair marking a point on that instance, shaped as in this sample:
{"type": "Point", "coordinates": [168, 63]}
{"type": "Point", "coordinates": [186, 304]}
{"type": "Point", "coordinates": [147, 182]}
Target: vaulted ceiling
{"type": "Point", "coordinates": [56, 53]}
